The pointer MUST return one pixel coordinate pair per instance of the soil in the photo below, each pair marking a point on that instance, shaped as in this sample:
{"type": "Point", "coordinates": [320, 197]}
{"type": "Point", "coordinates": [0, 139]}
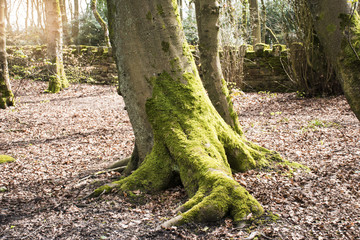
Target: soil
{"type": "Point", "coordinates": [63, 142]}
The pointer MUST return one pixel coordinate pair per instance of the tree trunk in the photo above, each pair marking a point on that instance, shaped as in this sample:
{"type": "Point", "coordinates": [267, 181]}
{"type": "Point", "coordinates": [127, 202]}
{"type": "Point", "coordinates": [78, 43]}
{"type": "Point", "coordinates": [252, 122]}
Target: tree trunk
{"type": "Point", "coordinates": [8, 16]}
{"type": "Point", "coordinates": [27, 15]}
{"type": "Point", "coordinates": [64, 20]}
{"type": "Point", "coordinates": [167, 102]}
{"type": "Point", "coordinates": [38, 7]}
{"type": "Point", "coordinates": [338, 28]}
{"type": "Point", "coordinates": [101, 22]}
{"type": "Point", "coordinates": [76, 23]}
{"type": "Point", "coordinates": [57, 77]}
{"type": "Point", "coordinates": [207, 17]}
{"type": "Point", "coordinates": [255, 22]}
{"type": "Point", "coordinates": [263, 22]}
{"type": "Point", "coordinates": [180, 5]}
{"type": "Point", "coordinates": [6, 95]}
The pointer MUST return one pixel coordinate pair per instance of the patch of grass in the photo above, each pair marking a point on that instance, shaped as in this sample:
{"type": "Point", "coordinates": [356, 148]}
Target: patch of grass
{"type": "Point", "coordinates": [268, 94]}
{"type": "Point", "coordinates": [316, 124]}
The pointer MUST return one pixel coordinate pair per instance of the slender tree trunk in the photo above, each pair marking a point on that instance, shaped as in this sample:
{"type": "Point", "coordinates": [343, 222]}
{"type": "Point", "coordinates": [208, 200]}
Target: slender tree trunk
{"type": "Point", "coordinates": [76, 23]}
{"type": "Point", "coordinates": [263, 22]}
{"type": "Point", "coordinates": [64, 20]}
{"type": "Point", "coordinates": [39, 13]}
{"type": "Point", "coordinates": [27, 15]}
{"type": "Point", "coordinates": [207, 17]}
{"type": "Point", "coordinates": [6, 95]}
{"type": "Point", "coordinates": [57, 77]}
{"type": "Point", "coordinates": [101, 22]}
{"type": "Point", "coordinates": [32, 20]}
{"type": "Point", "coordinates": [17, 18]}
{"type": "Point", "coordinates": [244, 21]}
{"type": "Point", "coordinates": [162, 90]}
{"type": "Point", "coordinates": [180, 5]}
{"type": "Point", "coordinates": [338, 28]}
{"type": "Point", "coordinates": [255, 22]}
{"type": "Point", "coordinates": [7, 13]}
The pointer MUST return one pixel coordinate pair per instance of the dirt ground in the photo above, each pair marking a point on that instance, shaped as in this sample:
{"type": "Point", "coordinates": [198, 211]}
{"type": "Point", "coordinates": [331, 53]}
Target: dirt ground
{"type": "Point", "coordinates": [62, 143]}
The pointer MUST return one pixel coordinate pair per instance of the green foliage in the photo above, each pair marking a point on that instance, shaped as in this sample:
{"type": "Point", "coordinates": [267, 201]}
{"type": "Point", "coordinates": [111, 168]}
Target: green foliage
{"type": "Point", "coordinates": [91, 32]}
{"type": "Point", "coordinates": [190, 27]}
{"type": "Point", "coordinates": [234, 23]}
{"type": "Point", "coordinates": [280, 19]}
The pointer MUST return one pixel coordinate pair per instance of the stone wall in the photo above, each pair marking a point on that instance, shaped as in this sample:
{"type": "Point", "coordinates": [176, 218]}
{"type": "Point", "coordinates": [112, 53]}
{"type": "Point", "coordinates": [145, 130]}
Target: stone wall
{"type": "Point", "coordinates": [251, 69]}
{"type": "Point", "coordinates": [82, 63]}
{"type": "Point", "coordinates": [263, 68]}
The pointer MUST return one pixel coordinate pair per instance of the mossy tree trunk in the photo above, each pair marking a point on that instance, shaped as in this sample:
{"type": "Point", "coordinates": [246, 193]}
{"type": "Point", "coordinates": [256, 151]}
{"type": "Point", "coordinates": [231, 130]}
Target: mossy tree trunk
{"type": "Point", "coordinates": [101, 21]}
{"type": "Point", "coordinates": [207, 17]}
{"type": "Point", "coordinates": [338, 28]}
{"type": "Point", "coordinates": [173, 117]}
{"type": "Point", "coordinates": [6, 95]}
{"type": "Point", "coordinates": [57, 77]}
{"type": "Point", "coordinates": [255, 22]}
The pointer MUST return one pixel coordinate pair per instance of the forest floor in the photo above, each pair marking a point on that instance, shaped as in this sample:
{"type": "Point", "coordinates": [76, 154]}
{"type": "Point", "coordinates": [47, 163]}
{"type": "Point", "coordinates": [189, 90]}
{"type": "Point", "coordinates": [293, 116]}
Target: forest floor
{"type": "Point", "coordinates": [62, 142]}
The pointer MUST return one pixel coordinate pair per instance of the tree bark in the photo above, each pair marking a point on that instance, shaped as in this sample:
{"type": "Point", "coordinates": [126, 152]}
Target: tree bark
{"type": "Point", "coordinates": [64, 20]}
{"type": "Point", "coordinates": [27, 15]}
{"type": "Point", "coordinates": [101, 22]}
{"type": "Point", "coordinates": [76, 23]}
{"type": "Point", "coordinates": [263, 21]}
{"type": "Point", "coordinates": [167, 102]}
{"type": "Point", "coordinates": [38, 5]}
{"type": "Point", "coordinates": [338, 28]}
{"type": "Point", "coordinates": [180, 5]}
{"type": "Point", "coordinates": [255, 22]}
{"type": "Point", "coordinates": [207, 17]}
{"type": "Point", "coordinates": [6, 95]}
{"type": "Point", "coordinates": [57, 77]}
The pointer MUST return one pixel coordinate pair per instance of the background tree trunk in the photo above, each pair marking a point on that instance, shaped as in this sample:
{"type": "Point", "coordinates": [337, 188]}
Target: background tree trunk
{"type": "Point", "coordinates": [6, 95]}
{"type": "Point", "coordinates": [263, 21]}
{"type": "Point", "coordinates": [101, 22]}
{"type": "Point", "coordinates": [255, 22]}
{"type": "Point", "coordinates": [167, 102]}
{"type": "Point", "coordinates": [57, 77]}
{"type": "Point", "coordinates": [207, 17]}
{"type": "Point", "coordinates": [64, 20]}
{"type": "Point", "coordinates": [338, 28]}
{"type": "Point", "coordinates": [76, 23]}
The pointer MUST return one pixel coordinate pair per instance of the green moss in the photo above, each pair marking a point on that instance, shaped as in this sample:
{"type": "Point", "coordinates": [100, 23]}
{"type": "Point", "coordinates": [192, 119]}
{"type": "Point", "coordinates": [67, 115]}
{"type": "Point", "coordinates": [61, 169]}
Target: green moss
{"type": "Point", "coordinates": [54, 84]}
{"type": "Point", "coordinates": [331, 28]}
{"type": "Point", "coordinates": [58, 80]}
{"type": "Point", "coordinates": [6, 96]}
{"type": "Point", "coordinates": [160, 10]}
{"type": "Point", "coordinates": [349, 60]}
{"type": "Point", "coordinates": [232, 112]}
{"type": "Point", "coordinates": [176, 11]}
{"type": "Point", "coordinates": [6, 159]}
{"type": "Point", "coordinates": [187, 52]}
{"type": "Point", "coordinates": [175, 66]}
{"type": "Point", "coordinates": [165, 46]}
{"type": "Point", "coordinates": [149, 16]}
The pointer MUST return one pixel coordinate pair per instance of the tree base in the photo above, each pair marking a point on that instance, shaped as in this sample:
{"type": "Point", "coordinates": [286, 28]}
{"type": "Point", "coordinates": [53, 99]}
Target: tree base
{"type": "Point", "coordinates": [192, 141]}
